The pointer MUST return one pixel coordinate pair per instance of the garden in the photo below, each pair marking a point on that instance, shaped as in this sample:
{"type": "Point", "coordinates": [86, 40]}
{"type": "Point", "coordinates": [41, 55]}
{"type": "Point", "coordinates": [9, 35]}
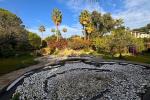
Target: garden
{"type": "Point", "coordinates": [71, 71]}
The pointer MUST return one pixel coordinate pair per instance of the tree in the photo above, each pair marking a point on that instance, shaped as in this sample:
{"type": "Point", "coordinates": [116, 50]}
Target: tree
{"type": "Point", "coordinates": [34, 40]}
{"type": "Point", "coordinates": [42, 29]}
{"type": "Point", "coordinates": [118, 23]}
{"type": "Point", "coordinates": [97, 20]}
{"type": "Point", "coordinates": [145, 29]}
{"type": "Point", "coordinates": [121, 40]}
{"type": "Point", "coordinates": [52, 37]}
{"type": "Point", "coordinates": [64, 30]}
{"type": "Point", "coordinates": [57, 19]}
{"type": "Point", "coordinates": [139, 44]}
{"type": "Point", "coordinates": [12, 32]}
{"type": "Point", "coordinates": [103, 23]}
{"type": "Point", "coordinates": [108, 23]}
{"type": "Point", "coordinates": [102, 44]}
{"type": "Point", "coordinates": [11, 28]}
{"type": "Point", "coordinates": [53, 30]}
{"type": "Point", "coordinates": [89, 29]}
{"type": "Point", "coordinates": [85, 19]}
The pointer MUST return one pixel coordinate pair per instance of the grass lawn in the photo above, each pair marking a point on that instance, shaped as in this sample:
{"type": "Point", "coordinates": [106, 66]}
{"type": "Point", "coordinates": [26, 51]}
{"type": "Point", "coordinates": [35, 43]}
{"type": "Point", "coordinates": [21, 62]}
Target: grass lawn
{"type": "Point", "coordinates": [139, 58]}
{"type": "Point", "coordinates": [10, 64]}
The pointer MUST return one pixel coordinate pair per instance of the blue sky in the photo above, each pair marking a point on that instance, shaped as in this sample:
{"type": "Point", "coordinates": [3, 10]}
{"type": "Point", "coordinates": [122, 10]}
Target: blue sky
{"type": "Point", "coordinates": [136, 13]}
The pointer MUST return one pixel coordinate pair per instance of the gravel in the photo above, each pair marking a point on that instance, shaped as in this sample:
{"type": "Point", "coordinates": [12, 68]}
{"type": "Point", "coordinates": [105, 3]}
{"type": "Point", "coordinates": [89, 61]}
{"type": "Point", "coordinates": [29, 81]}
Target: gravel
{"type": "Point", "coordinates": [80, 81]}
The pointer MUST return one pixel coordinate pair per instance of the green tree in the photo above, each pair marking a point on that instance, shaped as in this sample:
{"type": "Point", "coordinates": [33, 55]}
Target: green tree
{"type": "Point", "coordinates": [97, 20]}
{"type": "Point", "coordinates": [89, 29]}
{"type": "Point", "coordinates": [85, 19]}
{"type": "Point", "coordinates": [11, 28]}
{"type": "Point", "coordinates": [103, 23]}
{"type": "Point", "coordinates": [145, 29]}
{"type": "Point", "coordinates": [52, 37]}
{"type": "Point", "coordinates": [57, 19]}
{"type": "Point", "coordinates": [121, 39]}
{"type": "Point", "coordinates": [118, 23]}
{"type": "Point", "coordinates": [42, 29]}
{"type": "Point", "coordinates": [34, 40]}
{"type": "Point", "coordinates": [108, 23]}
{"type": "Point", "coordinates": [102, 44]}
{"type": "Point", "coordinates": [12, 32]}
{"type": "Point", "coordinates": [139, 44]}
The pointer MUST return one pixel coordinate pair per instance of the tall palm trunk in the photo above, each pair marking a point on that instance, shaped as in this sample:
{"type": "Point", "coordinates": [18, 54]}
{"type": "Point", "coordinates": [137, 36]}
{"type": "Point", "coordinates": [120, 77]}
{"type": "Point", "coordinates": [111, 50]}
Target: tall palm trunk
{"type": "Point", "coordinates": [85, 33]}
{"type": "Point", "coordinates": [88, 37]}
{"type": "Point", "coordinates": [57, 32]}
{"type": "Point", "coordinates": [41, 39]}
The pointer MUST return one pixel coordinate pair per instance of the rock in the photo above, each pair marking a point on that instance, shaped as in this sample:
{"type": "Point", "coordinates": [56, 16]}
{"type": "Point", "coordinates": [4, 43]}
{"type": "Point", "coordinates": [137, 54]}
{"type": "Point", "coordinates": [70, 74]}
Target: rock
{"type": "Point", "coordinates": [83, 81]}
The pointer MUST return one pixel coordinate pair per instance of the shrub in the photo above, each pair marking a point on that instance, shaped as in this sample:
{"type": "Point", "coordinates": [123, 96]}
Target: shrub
{"type": "Point", "coordinates": [16, 96]}
{"type": "Point", "coordinates": [78, 44]}
{"type": "Point", "coordinates": [47, 51]}
{"type": "Point", "coordinates": [34, 40]}
{"type": "Point", "coordinates": [24, 46]}
{"type": "Point", "coordinates": [139, 43]}
{"type": "Point", "coordinates": [71, 52]}
{"type": "Point", "coordinates": [51, 38]}
{"type": "Point", "coordinates": [101, 44]}
{"type": "Point", "coordinates": [6, 51]}
{"type": "Point", "coordinates": [61, 44]}
{"type": "Point", "coordinates": [44, 43]}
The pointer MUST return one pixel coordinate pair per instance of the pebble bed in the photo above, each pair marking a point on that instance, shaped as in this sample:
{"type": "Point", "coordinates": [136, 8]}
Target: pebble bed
{"type": "Point", "coordinates": [81, 81]}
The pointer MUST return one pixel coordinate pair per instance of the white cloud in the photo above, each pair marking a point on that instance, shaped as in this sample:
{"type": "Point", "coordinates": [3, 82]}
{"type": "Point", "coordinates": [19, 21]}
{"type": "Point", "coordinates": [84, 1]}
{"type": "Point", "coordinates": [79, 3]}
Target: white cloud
{"type": "Point", "coordinates": [136, 13]}
{"type": "Point", "coordinates": [79, 5]}
{"type": "Point", "coordinates": [135, 3]}
{"type": "Point", "coordinates": [74, 30]}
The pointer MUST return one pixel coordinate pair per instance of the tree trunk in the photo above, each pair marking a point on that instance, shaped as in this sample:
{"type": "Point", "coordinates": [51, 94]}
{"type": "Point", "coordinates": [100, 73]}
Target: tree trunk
{"type": "Point", "coordinates": [85, 36]}
{"type": "Point", "coordinates": [41, 39]}
{"type": "Point", "coordinates": [57, 32]}
{"type": "Point", "coordinates": [120, 54]}
{"type": "Point", "coordinates": [84, 33]}
{"type": "Point", "coordinates": [88, 37]}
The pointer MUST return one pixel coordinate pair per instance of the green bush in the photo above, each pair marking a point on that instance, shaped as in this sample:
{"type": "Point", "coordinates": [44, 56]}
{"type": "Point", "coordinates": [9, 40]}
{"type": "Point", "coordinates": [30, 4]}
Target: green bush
{"type": "Point", "coordinates": [7, 51]}
{"type": "Point", "coordinates": [78, 44]}
{"type": "Point", "coordinates": [34, 40]}
{"type": "Point", "coordinates": [44, 43]}
{"type": "Point", "coordinates": [16, 96]}
{"type": "Point", "coordinates": [101, 44]}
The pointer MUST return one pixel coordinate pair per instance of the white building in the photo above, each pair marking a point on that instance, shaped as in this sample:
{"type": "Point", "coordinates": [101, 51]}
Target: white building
{"type": "Point", "coordinates": [140, 34]}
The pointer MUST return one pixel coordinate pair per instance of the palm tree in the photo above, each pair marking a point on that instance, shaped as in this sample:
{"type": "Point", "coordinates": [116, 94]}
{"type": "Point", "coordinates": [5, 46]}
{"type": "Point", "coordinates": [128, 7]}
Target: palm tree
{"type": "Point", "coordinates": [64, 30]}
{"type": "Point", "coordinates": [57, 19]}
{"type": "Point", "coordinates": [53, 30]}
{"type": "Point", "coordinates": [42, 29]}
{"type": "Point", "coordinates": [118, 22]}
{"type": "Point", "coordinates": [84, 19]}
{"type": "Point", "coordinates": [89, 29]}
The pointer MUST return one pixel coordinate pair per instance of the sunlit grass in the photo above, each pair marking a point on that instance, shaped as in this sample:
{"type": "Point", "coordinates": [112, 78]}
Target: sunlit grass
{"type": "Point", "coordinates": [10, 64]}
{"type": "Point", "coordinates": [128, 57]}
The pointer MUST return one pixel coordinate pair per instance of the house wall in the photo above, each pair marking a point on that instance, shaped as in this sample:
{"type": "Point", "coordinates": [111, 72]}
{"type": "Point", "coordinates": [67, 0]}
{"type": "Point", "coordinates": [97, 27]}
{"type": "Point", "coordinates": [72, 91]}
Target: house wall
{"type": "Point", "coordinates": [140, 34]}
